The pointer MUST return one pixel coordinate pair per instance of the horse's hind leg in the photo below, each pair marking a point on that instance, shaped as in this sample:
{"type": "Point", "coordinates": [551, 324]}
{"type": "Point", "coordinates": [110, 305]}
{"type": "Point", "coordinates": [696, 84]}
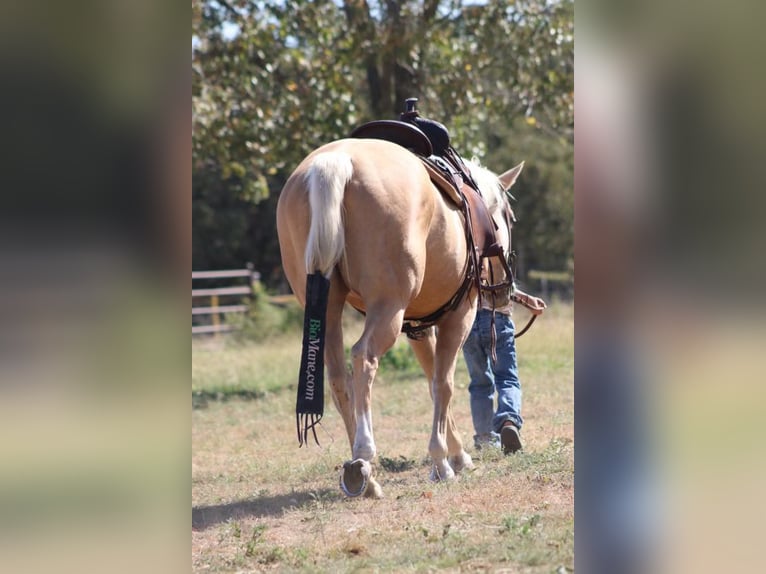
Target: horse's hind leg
{"type": "Point", "coordinates": [340, 379]}
{"type": "Point", "coordinates": [380, 331]}
{"type": "Point", "coordinates": [425, 351]}
{"type": "Point", "coordinates": [382, 325]}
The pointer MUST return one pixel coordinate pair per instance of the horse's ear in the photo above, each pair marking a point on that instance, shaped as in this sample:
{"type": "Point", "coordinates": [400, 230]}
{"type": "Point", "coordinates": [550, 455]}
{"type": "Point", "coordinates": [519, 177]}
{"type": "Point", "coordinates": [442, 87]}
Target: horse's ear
{"type": "Point", "coordinates": [509, 177]}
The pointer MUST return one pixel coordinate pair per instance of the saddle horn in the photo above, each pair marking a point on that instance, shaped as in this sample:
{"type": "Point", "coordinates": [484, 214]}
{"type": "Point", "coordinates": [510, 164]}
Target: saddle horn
{"type": "Point", "coordinates": [410, 109]}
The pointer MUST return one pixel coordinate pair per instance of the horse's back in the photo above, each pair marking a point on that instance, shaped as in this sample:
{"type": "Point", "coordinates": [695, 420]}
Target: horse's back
{"type": "Point", "coordinates": [385, 175]}
{"type": "Point", "coordinates": [381, 168]}
{"type": "Point", "coordinates": [393, 218]}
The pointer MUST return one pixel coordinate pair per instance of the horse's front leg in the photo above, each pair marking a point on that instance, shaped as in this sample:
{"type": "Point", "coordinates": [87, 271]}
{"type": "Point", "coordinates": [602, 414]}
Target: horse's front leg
{"type": "Point", "coordinates": [441, 388]}
{"type": "Point", "coordinates": [445, 441]}
{"type": "Point", "coordinates": [425, 350]}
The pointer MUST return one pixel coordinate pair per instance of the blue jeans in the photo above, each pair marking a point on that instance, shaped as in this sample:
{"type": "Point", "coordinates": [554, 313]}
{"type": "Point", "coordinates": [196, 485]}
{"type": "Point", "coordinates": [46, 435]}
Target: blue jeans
{"type": "Point", "coordinates": [487, 378]}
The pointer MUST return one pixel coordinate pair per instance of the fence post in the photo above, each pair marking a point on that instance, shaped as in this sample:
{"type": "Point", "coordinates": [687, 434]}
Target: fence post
{"type": "Point", "coordinates": [255, 277]}
{"type": "Point", "coordinates": [215, 317]}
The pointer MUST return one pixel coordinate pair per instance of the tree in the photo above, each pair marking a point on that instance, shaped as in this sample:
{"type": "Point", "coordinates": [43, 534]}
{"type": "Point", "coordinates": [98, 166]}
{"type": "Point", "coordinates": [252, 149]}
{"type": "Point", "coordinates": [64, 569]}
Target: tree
{"type": "Point", "coordinates": [274, 80]}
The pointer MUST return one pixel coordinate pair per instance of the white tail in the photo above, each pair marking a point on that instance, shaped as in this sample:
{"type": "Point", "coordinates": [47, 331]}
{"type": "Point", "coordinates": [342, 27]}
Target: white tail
{"type": "Point", "coordinates": [326, 178]}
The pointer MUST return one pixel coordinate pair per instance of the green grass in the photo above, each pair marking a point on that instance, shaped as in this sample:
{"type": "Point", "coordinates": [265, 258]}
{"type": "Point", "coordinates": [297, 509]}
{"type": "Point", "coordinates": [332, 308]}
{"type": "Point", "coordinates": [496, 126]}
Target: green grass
{"type": "Point", "coordinates": [223, 368]}
{"type": "Point", "coordinates": [260, 503]}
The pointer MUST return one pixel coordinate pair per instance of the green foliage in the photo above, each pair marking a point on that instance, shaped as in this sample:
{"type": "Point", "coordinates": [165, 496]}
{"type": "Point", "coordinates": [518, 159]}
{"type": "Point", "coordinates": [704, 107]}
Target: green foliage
{"type": "Point", "coordinates": [543, 236]}
{"type": "Point", "coordinates": [255, 539]}
{"type": "Point", "coordinates": [400, 360]}
{"type": "Point", "coordinates": [273, 80]}
{"type": "Point", "coordinates": [519, 526]}
{"type": "Point", "coordinates": [264, 320]}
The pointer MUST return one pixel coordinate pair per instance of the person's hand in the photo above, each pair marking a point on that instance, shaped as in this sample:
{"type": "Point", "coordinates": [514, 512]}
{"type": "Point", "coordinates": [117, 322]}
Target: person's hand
{"type": "Point", "coordinates": [534, 304]}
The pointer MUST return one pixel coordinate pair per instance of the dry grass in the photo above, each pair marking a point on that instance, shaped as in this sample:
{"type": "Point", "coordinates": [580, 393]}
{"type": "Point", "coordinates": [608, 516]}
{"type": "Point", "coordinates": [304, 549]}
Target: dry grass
{"type": "Point", "coordinates": [262, 504]}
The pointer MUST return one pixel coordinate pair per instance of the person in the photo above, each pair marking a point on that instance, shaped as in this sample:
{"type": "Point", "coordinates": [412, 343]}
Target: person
{"type": "Point", "coordinates": [495, 427]}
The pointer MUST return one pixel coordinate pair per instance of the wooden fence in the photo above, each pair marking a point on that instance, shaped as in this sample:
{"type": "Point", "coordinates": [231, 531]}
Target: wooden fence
{"type": "Point", "coordinates": [221, 300]}
{"type": "Point", "coordinates": [216, 302]}
{"type": "Point", "coordinates": [549, 283]}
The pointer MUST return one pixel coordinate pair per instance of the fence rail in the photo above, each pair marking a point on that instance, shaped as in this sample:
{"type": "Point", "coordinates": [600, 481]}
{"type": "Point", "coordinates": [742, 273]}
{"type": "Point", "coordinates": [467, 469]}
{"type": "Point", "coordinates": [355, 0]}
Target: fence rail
{"type": "Point", "coordinates": [229, 299]}
{"type": "Point", "coordinates": [225, 274]}
{"type": "Point", "coordinates": [282, 300]}
{"type": "Point", "coordinates": [211, 329]}
{"type": "Point", "coordinates": [548, 283]}
{"type": "Point", "coordinates": [220, 291]}
{"type": "Point", "coordinates": [232, 294]}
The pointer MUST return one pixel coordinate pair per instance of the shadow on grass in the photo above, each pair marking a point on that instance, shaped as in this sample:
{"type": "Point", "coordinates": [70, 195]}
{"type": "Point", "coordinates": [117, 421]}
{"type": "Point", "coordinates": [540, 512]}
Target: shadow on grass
{"type": "Point", "coordinates": [200, 399]}
{"type": "Point", "coordinates": [206, 516]}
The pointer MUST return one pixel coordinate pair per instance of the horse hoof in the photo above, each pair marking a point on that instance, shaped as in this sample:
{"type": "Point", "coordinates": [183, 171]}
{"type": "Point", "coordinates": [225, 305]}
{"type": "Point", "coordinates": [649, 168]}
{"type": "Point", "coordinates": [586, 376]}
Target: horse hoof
{"type": "Point", "coordinates": [355, 477]}
{"type": "Point", "coordinates": [443, 473]}
{"type": "Point", "coordinates": [462, 461]}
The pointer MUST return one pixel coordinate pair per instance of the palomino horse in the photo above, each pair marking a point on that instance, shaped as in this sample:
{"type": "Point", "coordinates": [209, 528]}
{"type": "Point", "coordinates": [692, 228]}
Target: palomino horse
{"type": "Point", "coordinates": [365, 214]}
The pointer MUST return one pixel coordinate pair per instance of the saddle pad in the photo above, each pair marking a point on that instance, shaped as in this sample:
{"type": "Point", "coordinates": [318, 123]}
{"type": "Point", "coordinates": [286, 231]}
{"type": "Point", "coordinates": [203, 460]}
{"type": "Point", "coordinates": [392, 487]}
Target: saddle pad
{"type": "Point", "coordinates": [447, 187]}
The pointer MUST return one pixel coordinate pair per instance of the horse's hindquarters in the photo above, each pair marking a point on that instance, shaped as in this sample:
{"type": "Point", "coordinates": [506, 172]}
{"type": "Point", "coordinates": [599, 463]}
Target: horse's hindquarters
{"type": "Point", "coordinates": [403, 253]}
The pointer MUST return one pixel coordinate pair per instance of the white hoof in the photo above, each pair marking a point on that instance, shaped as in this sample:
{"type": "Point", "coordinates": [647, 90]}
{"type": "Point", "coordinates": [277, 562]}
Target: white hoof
{"type": "Point", "coordinates": [355, 477]}
{"type": "Point", "coordinates": [462, 461]}
{"type": "Point", "coordinates": [441, 472]}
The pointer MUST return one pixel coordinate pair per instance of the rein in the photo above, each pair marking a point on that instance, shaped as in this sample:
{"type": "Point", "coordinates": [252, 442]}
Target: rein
{"type": "Point", "coordinates": [416, 328]}
{"type": "Point", "coordinates": [526, 327]}
{"type": "Point", "coordinates": [516, 296]}
{"type": "Point", "coordinates": [529, 323]}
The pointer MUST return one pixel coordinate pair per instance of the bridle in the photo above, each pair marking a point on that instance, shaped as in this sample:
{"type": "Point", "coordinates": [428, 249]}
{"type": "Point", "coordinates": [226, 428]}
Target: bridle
{"type": "Point", "coordinates": [507, 260]}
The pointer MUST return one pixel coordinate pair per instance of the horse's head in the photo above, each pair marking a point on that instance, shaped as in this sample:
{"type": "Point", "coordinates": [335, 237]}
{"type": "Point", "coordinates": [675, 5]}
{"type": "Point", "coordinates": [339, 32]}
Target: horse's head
{"type": "Point", "coordinates": [496, 192]}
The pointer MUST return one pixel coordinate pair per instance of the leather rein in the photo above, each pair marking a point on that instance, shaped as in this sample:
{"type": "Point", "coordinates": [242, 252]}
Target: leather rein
{"type": "Point", "coordinates": [507, 263]}
{"type": "Point", "coordinates": [415, 328]}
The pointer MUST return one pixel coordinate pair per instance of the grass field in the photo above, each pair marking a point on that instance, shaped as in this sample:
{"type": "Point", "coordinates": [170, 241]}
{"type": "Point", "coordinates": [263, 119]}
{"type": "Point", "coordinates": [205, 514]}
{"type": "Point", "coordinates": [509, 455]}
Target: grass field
{"type": "Point", "coordinates": [260, 503]}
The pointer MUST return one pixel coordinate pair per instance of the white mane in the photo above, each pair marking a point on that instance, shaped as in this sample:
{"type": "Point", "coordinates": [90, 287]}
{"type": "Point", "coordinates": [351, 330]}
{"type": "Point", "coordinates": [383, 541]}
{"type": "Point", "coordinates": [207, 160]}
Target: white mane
{"type": "Point", "coordinates": [489, 184]}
